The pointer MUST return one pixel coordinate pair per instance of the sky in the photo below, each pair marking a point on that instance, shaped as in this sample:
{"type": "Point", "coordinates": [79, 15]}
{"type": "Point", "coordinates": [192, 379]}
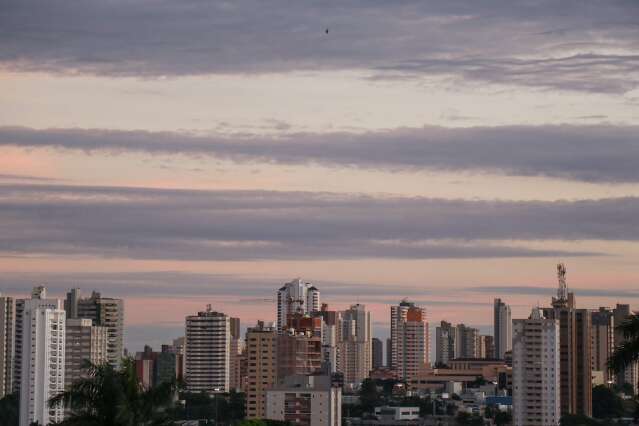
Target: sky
{"type": "Point", "coordinates": [179, 154]}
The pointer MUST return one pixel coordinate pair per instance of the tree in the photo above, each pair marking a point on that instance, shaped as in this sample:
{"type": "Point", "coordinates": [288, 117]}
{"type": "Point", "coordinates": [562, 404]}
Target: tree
{"type": "Point", "coordinates": [115, 398]}
{"type": "Point", "coordinates": [606, 403]}
{"type": "Point", "coordinates": [466, 419]}
{"type": "Point", "coordinates": [368, 395]}
{"type": "Point", "coordinates": [503, 418]}
{"type": "Point", "coordinates": [577, 420]}
{"type": "Point", "coordinates": [628, 351]}
{"type": "Point", "coordinates": [9, 407]}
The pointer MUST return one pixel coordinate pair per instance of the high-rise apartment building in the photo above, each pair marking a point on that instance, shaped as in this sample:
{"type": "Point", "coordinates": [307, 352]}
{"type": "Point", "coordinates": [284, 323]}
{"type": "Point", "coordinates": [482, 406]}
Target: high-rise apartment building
{"type": "Point", "coordinates": [575, 327]}
{"type": "Point", "coordinates": [7, 331]}
{"type": "Point", "coordinates": [410, 339]}
{"type": "Point", "coordinates": [296, 297]}
{"type": "Point", "coordinates": [207, 352]}
{"type": "Point", "coordinates": [630, 374]}
{"type": "Point", "coordinates": [467, 342]}
{"type": "Point", "coordinates": [602, 341]}
{"type": "Point", "coordinates": [38, 299]}
{"type": "Point", "coordinates": [105, 312]}
{"type": "Point", "coordinates": [42, 360]}
{"type": "Point", "coordinates": [305, 401]}
{"type": "Point", "coordinates": [235, 355]}
{"type": "Point", "coordinates": [355, 348]}
{"type": "Point", "coordinates": [378, 353]}
{"type": "Point", "coordinates": [84, 342]}
{"type": "Point", "coordinates": [486, 346]}
{"type": "Point", "coordinates": [389, 352]}
{"type": "Point", "coordinates": [299, 348]}
{"type": "Point", "coordinates": [261, 352]}
{"type": "Point", "coordinates": [502, 328]}
{"type": "Point", "coordinates": [536, 384]}
{"type": "Point", "coordinates": [331, 338]}
{"type": "Point", "coordinates": [445, 343]}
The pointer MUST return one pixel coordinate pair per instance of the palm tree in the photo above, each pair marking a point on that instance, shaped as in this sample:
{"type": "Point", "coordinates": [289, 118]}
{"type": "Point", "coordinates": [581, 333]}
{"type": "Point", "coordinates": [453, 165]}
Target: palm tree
{"type": "Point", "coordinates": [110, 397]}
{"type": "Point", "coordinates": [627, 352]}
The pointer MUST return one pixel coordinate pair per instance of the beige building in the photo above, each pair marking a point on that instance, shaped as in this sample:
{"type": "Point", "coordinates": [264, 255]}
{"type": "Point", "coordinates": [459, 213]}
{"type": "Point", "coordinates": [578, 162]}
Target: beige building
{"type": "Point", "coordinates": [261, 352]}
{"type": "Point", "coordinates": [84, 342]}
{"type": "Point", "coordinates": [602, 343]}
{"type": "Point", "coordinates": [536, 379]}
{"type": "Point", "coordinates": [409, 340]}
{"type": "Point", "coordinates": [355, 349]}
{"type": "Point", "coordinates": [7, 326]}
{"type": "Point", "coordinates": [305, 401]}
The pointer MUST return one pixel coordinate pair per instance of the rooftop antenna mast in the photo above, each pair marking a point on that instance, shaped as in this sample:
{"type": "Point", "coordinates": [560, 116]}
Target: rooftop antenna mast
{"type": "Point", "coordinates": [562, 291]}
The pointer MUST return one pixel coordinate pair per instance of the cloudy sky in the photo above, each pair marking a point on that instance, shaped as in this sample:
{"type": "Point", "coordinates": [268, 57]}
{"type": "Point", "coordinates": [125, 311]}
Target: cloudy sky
{"type": "Point", "coordinates": [184, 153]}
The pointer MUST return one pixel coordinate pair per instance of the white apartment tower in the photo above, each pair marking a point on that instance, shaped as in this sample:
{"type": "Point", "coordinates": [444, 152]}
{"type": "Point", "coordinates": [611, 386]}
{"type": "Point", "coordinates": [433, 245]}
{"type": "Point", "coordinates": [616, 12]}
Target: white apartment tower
{"type": "Point", "coordinates": [207, 352]}
{"type": "Point", "coordinates": [7, 325]}
{"type": "Point", "coordinates": [536, 385]}
{"type": "Point", "coordinates": [356, 351]}
{"type": "Point", "coordinates": [502, 328]}
{"type": "Point", "coordinates": [42, 360]}
{"type": "Point", "coordinates": [296, 296]}
{"type": "Point", "coordinates": [409, 340]}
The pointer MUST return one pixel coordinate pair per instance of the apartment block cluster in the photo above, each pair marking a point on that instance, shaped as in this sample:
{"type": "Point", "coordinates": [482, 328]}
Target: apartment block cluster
{"type": "Point", "coordinates": [45, 344]}
{"type": "Point", "coordinates": [301, 368]}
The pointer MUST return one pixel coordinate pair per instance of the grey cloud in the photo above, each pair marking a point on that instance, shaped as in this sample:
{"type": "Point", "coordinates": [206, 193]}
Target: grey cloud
{"type": "Point", "coordinates": [592, 153]}
{"type": "Point", "coordinates": [237, 225]}
{"type": "Point", "coordinates": [151, 39]}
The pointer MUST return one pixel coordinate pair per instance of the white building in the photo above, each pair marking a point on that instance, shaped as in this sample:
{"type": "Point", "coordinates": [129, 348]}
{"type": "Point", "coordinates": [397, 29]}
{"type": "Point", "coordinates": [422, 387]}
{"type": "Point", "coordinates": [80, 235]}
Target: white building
{"type": "Point", "coordinates": [207, 352]}
{"type": "Point", "coordinates": [7, 325]}
{"type": "Point", "coordinates": [305, 401]}
{"type": "Point", "coordinates": [397, 413]}
{"type": "Point", "coordinates": [502, 327]}
{"type": "Point", "coordinates": [445, 343]}
{"type": "Point", "coordinates": [355, 350]}
{"type": "Point", "coordinates": [536, 391]}
{"type": "Point", "coordinates": [409, 340]}
{"type": "Point", "coordinates": [43, 360]}
{"type": "Point", "coordinates": [296, 296]}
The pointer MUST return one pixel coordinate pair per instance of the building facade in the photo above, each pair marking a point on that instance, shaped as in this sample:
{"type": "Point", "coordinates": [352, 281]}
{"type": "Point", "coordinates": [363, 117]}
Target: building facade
{"type": "Point", "coordinates": [602, 341]}
{"type": "Point", "coordinates": [378, 353]}
{"type": "Point", "coordinates": [535, 374]}
{"type": "Point", "coordinates": [445, 343]}
{"type": "Point", "coordinates": [207, 352]}
{"type": "Point", "coordinates": [305, 401]}
{"type": "Point", "coordinates": [630, 374]}
{"type": "Point", "coordinates": [296, 296]}
{"type": "Point", "coordinates": [502, 328]}
{"type": "Point", "coordinates": [105, 312]}
{"type": "Point", "coordinates": [84, 342]}
{"type": "Point", "coordinates": [7, 331]}
{"type": "Point", "coordinates": [43, 362]}
{"type": "Point", "coordinates": [356, 356]}
{"type": "Point", "coordinates": [410, 339]}
{"type": "Point", "coordinates": [261, 352]}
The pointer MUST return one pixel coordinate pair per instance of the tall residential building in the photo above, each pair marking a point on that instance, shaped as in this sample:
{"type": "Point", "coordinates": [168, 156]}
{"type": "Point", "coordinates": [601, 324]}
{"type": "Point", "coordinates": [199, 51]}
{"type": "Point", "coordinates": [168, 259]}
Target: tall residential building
{"type": "Point", "coordinates": [299, 348]}
{"type": "Point", "coordinates": [410, 339]}
{"type": "Point", "coordinates": [7, 326]}
{"type": "Point", "coordinates": [38, 299]}
{"type": "Point", "coordinates": [575, 327]}
{"type": "Point", "coordinates": [378, 353]}
{"type": "Point", "coordinates": [235, 355]}
{"type": "Point", "coordinates": [331, 337]}
{"type": "Point", "coordinates": [296, 297]}
{"type": "Point", "coordinates": [261, 351]}
{"type": "Point", "coordinates": [207, 352]}
{"type": "Point", "coordinates": [629, 374]}
{"type": "Point", "coordinates": [305, 401]}
{"type": "Point", "coordinates": [467, 342]}
{"type": "Point", "coordinates": [602, 341]}
{"type": "Point", "coordinates": [536, 384]}
{"type": "Point", "coordinates": [71, 302]}
{"type": "Point", "coordinates": [355, 348]}
{"type": "Point", "coordinates": [445, 343]}
{"type": "Point", "coordinates": [84, 342]}
{"type": "Point", "coordinates": [502, 328]}
{"type": "Point", "coordinates": [42, 359]}
{"type": "Point", "coordinates": [106, 312]}
{"type": "Point", "coordinates": [389, 352]}
{"type": "Point", "coordinates": [486, 346]}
